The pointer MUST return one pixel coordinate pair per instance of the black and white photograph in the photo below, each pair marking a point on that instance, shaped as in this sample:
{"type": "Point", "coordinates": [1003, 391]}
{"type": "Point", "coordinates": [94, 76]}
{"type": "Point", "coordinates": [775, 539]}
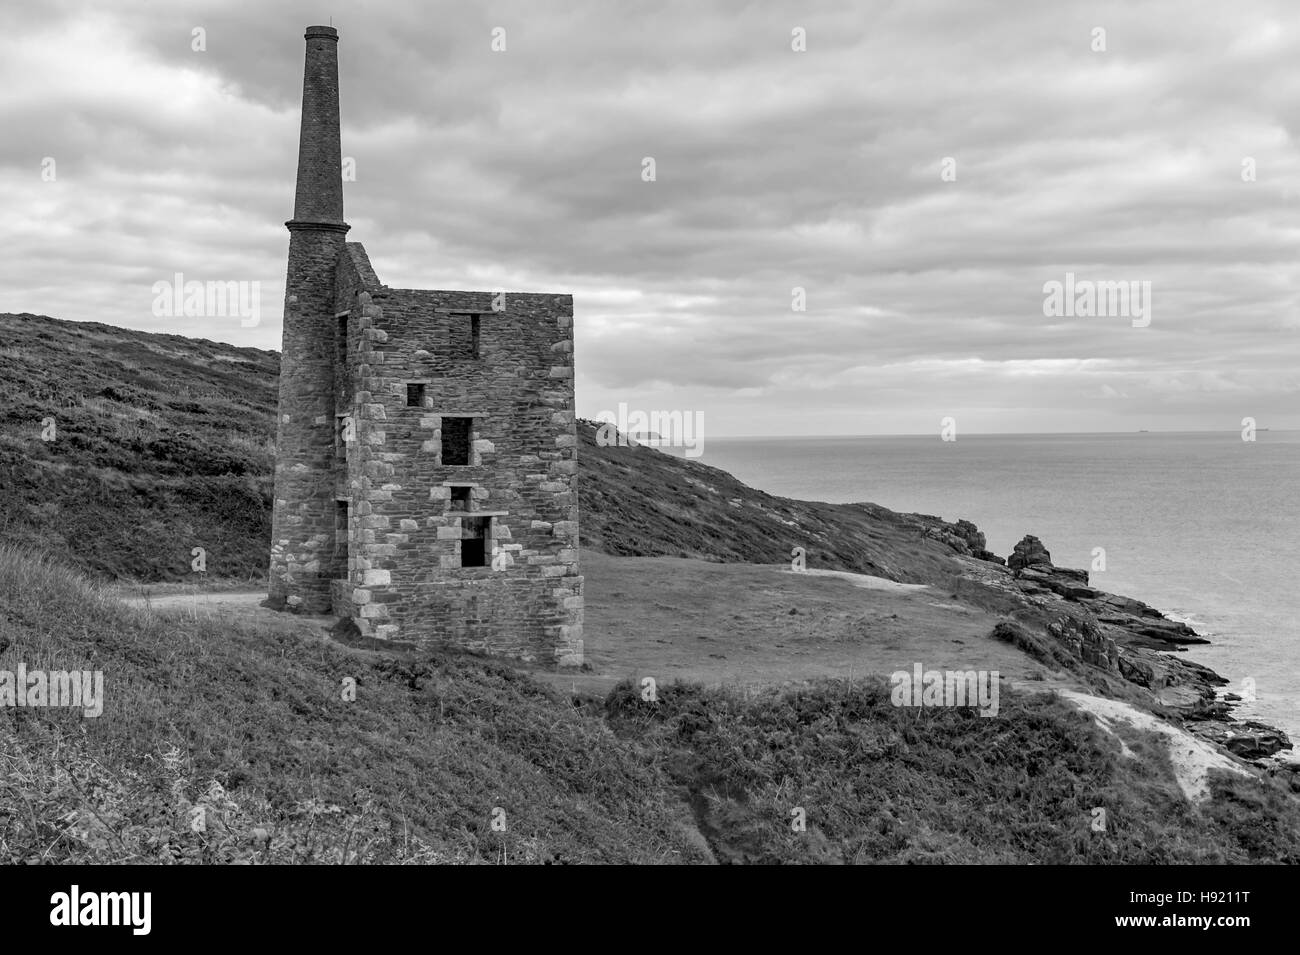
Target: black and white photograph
{"type": "Point", "coordinates": [685, 433]}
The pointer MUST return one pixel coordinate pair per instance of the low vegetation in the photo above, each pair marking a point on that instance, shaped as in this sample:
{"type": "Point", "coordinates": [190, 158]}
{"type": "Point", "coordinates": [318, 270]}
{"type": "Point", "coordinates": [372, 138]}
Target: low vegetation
{"type": "Point", "coordinates": [227, 743]}
{"type": "Point", "coordinates": [251, 727]}
{"type": "Point", "coordinates": [233, 742]}
{"type": "Point", "coordinates": [122, 451]}
{"type": "Point", "coordinates": [877, 783]}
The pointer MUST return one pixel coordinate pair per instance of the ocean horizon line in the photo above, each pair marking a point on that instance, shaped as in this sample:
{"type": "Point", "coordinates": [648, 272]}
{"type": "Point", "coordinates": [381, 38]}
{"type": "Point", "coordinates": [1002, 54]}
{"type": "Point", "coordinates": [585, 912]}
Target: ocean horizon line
{"type": "Point", "coordinates": [985, 434]}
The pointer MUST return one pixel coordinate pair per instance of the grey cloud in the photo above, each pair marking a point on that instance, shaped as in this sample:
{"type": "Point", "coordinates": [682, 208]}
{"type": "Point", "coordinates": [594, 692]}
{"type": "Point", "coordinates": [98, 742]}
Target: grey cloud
{"type": "Point", "coordinates": [775, 169]}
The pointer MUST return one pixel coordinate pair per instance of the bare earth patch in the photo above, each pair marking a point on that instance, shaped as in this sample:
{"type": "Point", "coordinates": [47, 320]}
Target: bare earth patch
{"type": "Point", "coordinates": [864, 580]}
{"type": "Point", "coordinates": [1192, 758]}
{"type": "Point", "coordinates": [674, 618]}
{"type": "Point", "coordinates": [234, 605]}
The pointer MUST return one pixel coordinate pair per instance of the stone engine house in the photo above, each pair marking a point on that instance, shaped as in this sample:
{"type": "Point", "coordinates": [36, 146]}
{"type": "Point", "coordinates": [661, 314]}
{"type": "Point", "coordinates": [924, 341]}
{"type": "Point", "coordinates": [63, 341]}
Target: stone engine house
{"type": "Point", "coordinates": [426, 452]}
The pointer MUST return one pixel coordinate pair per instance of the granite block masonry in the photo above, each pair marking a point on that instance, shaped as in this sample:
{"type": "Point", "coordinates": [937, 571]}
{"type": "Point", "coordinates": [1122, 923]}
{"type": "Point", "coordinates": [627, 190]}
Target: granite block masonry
{"type": "Point", "coordinates": [426, 450]}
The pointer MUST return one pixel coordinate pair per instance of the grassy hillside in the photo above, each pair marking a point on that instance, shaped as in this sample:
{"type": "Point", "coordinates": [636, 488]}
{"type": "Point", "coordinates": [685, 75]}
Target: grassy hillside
{"type": "Point", "coordinates": [164, 443]}
{"type": "Point", "coordinates": [638, 501]}
{"type": "Point", "coordinates": [160, 444]}
{"type": "Point", "coordinates": [250, 726]}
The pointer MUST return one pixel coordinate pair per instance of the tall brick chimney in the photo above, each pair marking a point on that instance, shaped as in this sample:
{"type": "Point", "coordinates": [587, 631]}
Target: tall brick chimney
{"type": "Point", "coordinates": [304, 515]}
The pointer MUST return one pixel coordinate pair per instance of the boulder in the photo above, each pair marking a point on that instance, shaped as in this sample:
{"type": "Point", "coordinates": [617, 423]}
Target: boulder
{"type": "Point", "coordinates": [1030, 552]}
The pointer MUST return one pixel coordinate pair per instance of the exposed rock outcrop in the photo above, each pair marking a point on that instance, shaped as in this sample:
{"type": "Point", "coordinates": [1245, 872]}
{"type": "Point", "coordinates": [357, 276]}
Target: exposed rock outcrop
{"type": "Point", "coordinates": [973, 536]}
{"type": "Point", "coordinates": [974, 539]}
{"type": "Point", "coordinates": [963, 537]}
{"type": "Point", "coordinates": [1036, 574]}
{"type": "Point", "coordinates": [1248, 739]}
{"type": "Point", "coordinates": [1061, 619]}
{"type": "Point", "coordinates": [1086, 642]}
{"type": "Point", "coordinates": [1029, 552]}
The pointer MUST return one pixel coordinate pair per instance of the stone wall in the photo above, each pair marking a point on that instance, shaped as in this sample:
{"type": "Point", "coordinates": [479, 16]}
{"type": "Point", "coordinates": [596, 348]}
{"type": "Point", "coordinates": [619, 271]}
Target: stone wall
{"type": "Point", "coordinates": [407, 538]}
{"type": "Point", "coordinates": [304, 547]}
{"type": "Point", "coordinates": [385, 509]}
{"type": "Point", "coordinates": [302, 534]}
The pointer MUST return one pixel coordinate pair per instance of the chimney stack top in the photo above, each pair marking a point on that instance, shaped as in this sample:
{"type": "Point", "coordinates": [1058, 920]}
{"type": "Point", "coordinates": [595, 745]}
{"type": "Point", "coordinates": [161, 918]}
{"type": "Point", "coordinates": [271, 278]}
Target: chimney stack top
{"type": "Point", "coordinates": [318, 198]}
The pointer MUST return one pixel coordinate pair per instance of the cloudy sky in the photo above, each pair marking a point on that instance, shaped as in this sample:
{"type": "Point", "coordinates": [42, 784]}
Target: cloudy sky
{"type": "Point", "coordinates": [920, 170]}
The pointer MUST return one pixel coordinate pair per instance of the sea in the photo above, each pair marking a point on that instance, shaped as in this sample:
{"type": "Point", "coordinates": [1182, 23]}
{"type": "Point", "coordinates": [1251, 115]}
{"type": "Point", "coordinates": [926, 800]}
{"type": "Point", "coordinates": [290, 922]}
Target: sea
{"type": "Point", "coordinates": [1203, 526]}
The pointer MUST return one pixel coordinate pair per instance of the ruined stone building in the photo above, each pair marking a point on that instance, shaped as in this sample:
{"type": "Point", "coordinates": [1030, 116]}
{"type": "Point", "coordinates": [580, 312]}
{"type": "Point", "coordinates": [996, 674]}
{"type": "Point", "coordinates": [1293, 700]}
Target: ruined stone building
{"type": "Point", "coordinates": [425, 481]}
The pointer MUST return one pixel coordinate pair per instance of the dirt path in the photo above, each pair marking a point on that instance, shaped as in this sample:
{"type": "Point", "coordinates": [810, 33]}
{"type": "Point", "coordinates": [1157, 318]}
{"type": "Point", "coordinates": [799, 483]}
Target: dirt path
{"type": "Point", "coordinates": [233, 600]}
{"type": "Point", "coordinates": [235, 605]}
